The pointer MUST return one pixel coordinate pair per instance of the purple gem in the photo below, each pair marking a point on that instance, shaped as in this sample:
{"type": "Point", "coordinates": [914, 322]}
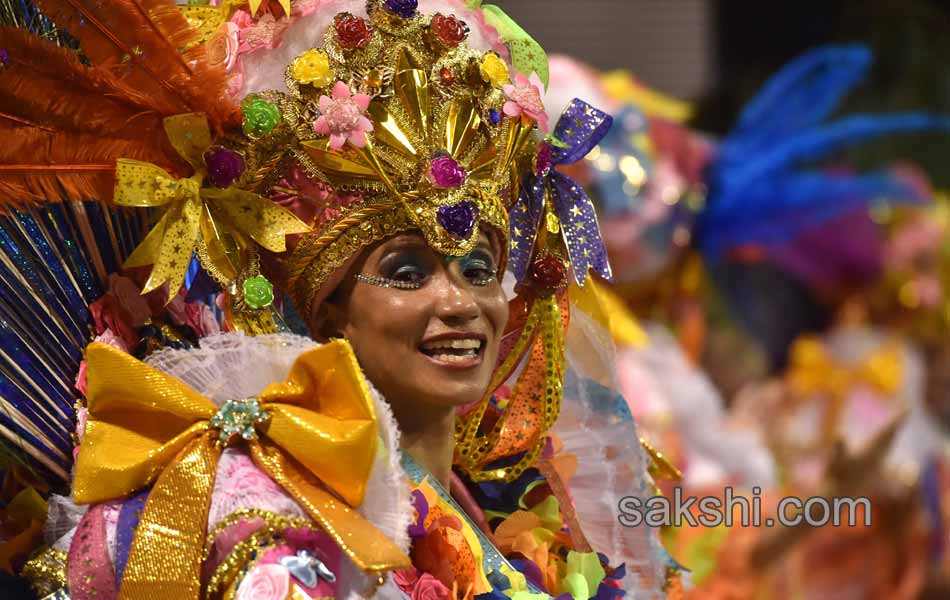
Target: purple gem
{"type": "Point", "coordinates": [494, 116]}
{"type": "Point", "coordinates": [542, 163]}
{"type": "Point", "coordinates": [458, 219]}
{"type": "Point", "coordinates": [421, 505]}
{"type": "Point", "coordinates": [4, 56]}
{"type": "Point", "coordinates": [445, 172]}
{"type": "Point", "coordinates": [403, 8]}
{"type": "Point", "coordinates": [224, 166]}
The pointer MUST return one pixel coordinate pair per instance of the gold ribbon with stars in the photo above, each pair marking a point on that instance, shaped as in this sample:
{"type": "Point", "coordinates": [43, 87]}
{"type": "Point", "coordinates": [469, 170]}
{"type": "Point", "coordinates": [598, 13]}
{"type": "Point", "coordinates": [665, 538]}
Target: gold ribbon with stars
{"type": "Point", "coordinates": [223, 223]}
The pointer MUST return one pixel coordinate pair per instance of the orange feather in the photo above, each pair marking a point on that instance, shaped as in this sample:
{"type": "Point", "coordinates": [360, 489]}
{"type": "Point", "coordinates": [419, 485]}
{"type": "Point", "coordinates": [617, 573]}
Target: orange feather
{"type": "Point", "coordinates": [139, 41]}
{"type": "Point", "coordinates": [66, 123]}
{"type": "Point", "coordinates": [41, 166]}
{"type": "Point", "coordinates": [48, 86]}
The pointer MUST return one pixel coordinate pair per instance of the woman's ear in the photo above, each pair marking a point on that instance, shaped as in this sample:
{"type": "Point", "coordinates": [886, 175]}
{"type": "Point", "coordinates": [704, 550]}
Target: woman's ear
{"type": "Point", "coordinates": [328, 322]}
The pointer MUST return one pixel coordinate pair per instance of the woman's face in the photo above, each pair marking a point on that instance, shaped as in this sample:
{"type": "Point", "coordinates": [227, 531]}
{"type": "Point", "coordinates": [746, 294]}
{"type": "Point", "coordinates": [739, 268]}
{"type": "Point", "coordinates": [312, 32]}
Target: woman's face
{"type": "Point", "coordinates": [436, 343]}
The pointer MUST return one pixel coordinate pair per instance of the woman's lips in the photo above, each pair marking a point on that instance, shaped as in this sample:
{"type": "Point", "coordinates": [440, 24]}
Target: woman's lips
{"type": "Point", "coordinates": [454, 351]}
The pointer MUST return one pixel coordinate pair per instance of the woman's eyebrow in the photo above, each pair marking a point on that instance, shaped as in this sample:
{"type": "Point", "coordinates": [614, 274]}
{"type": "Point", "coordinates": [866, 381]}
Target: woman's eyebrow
{"type": "Point", "coordinates": [402, 241]}
{"type": "Point", "coordinates": [408, 248]}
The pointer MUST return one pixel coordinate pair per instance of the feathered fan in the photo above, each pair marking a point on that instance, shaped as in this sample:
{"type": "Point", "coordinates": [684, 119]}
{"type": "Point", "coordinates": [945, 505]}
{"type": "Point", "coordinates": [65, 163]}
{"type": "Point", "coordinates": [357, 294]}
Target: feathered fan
{"type": "Point", "coordinates": [65, 117]}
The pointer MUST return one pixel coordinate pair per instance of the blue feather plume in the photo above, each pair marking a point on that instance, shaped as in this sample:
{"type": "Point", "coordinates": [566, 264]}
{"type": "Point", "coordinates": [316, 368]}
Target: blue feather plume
{"type": "Point", "coordinates": [761, 190]}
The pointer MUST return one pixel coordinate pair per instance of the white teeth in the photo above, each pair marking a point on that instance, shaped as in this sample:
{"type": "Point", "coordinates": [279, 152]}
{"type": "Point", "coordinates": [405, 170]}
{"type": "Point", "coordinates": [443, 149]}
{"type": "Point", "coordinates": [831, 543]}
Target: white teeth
{"type": "Point", "coordinates": [455, 357]}
{"type": "Point", "coordinates": [462, 344]}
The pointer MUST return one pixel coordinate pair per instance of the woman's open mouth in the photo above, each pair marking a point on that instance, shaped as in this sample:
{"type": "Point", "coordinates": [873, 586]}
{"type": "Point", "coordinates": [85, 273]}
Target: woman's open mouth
{"type": "Point", "coordinates": [458, 352]}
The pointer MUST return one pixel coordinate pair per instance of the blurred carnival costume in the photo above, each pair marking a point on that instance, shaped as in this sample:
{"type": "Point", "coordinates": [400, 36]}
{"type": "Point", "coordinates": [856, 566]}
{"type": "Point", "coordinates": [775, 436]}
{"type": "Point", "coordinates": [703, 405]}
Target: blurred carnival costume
{"type": "Point", "coordinates": [685, 217]}
{"type": "Point", "coordinates": [273, 141]}
{"type": "Point", "coordinates": [633, 176]}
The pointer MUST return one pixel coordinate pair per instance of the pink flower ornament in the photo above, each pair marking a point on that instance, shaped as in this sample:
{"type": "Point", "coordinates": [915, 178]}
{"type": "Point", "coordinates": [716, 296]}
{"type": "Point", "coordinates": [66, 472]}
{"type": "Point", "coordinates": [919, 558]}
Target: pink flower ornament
{"type": "Point", "coordinates": [342, 117]}
{"type": "Point", "coordinates": [524, 98]}
{"type": "Point", "coordinates": [265, 582]}
{"type": "Point", "coordinates": [428, 587]}
{"type": "Point", "coordinates": [254, 34]}
{"type": "Point", "coordinates": [445, 173]}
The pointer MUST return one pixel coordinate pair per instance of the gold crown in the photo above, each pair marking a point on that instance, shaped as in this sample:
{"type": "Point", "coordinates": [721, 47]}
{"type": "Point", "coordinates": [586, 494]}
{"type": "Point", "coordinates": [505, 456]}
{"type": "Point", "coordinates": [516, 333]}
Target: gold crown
{"type": "Point", "coordinates": [402, 113]}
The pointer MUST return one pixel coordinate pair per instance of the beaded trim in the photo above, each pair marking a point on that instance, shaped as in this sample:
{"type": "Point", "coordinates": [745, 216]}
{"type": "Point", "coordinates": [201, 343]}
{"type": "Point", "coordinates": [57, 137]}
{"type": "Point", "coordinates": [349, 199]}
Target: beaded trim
{"type": "Point", "coordinates": [387, 282]}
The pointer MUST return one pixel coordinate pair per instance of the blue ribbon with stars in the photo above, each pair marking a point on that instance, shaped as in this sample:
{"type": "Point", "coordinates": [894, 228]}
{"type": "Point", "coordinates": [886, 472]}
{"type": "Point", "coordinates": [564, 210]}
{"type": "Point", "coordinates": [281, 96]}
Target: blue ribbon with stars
{"type": "Point", "coordinates": [580, 128]}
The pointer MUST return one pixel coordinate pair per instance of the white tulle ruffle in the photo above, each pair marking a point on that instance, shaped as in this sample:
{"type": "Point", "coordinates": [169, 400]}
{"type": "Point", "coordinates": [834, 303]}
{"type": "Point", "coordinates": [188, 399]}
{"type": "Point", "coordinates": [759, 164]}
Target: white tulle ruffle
{"type": "Point", "coordinates": [595, 427]}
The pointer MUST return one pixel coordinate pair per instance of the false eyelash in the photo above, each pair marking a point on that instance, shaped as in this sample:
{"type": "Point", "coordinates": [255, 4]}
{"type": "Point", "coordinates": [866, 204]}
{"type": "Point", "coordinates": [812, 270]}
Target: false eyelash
{"type": "Point", "coordinates": [485, 280]}
{"type": "Point", "coordinates": [386, 282]}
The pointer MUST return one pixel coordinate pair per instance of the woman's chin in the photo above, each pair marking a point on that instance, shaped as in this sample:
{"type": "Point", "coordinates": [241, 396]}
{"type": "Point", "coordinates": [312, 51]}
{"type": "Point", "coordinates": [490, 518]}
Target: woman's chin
{"type": "Point", "coordinates": [450, 385]}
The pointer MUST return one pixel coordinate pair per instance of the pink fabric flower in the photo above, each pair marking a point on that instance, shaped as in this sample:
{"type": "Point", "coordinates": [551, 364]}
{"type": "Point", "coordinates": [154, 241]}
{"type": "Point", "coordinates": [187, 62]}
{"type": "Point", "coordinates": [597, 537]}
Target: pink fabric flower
{"type": "Point", "coordinates": [200, 319]}
{"type": "Point", "coordinates": [342, 117]}
{"type": "Point", "coordinates": [108, 314]}
{"type": "Point", "coordinates": [80, 383]}
{"type": "Point", "coordinates": [130, 298]}
{"type": "Point", "coordinates": [111, 339]}
{"type": "Point", "coordinates": [232, 39]}
{"type": "Point", "coordinates": [265, 582]}
{"type": "Point", "coordinates": [524, 98]}
{"type": "Point", "coordinates": [264, 32]}
{"type": "Point", "coordinates": [429, 588]}
{"type": "Point", "coordinates": [406, 579]}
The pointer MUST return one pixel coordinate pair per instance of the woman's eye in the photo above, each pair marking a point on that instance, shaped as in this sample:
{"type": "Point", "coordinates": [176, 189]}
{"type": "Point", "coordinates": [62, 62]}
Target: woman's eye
{"type": "Point", "coordinates": [410, 274]}
{"type": "Point", "coordinates": [479, 271]}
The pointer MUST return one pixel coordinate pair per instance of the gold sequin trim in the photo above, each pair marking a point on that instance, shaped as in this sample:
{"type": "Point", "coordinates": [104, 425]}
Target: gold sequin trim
{"type": "Point", "coordinates": [245, 550]}
{"type": "Point", "coordinates": [46, 571]}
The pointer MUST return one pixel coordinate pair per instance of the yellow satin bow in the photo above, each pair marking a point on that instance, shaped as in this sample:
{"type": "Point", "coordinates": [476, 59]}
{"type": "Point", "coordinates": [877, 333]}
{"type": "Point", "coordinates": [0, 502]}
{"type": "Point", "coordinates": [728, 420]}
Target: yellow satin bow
{"type": "Point", "coordinates": [812, 370]}
{"type": "Point", "coordinates": [221, 222]}
{"type": "Point", "coordinates": [254, 5]}
{"type": "Point", "coordinates": [318, 443]}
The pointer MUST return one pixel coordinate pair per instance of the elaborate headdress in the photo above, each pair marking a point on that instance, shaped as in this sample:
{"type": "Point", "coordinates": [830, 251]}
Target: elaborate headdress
{"type": "Point", "coordinates": [398, 113]}
{"type": "Point", "coordinates": [381, 119]}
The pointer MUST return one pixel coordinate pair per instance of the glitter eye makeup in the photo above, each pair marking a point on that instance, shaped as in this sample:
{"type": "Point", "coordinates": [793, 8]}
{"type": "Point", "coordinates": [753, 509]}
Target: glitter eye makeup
{"type": "Point", "coordinates": [478, 267]}
{"type": "Point", "coordinates": [405, 270]}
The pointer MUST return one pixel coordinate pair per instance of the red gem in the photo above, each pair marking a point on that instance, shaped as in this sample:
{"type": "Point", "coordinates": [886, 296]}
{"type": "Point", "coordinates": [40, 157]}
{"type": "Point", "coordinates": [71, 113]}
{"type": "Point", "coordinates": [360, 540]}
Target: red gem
{"type": "Point", "coordinates": [449, 30]}
{"type": "Point", "coordinates": [446, 75]}
{"type": "Point", "coordinates": [352, 31]}
{"type": "Point", "coordinates": [548, 272]}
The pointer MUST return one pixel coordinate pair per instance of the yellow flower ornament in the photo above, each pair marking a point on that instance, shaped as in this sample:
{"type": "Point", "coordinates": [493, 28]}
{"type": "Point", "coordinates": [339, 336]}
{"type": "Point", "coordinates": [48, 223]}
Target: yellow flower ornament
{"type": "Point", "coordinates": [312, 67]}
{"type": "Point", "coordinates": [494, 70]}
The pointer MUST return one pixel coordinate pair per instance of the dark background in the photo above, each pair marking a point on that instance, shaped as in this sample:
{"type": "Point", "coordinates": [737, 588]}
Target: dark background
{"type": "Point", "coordinates": [717, 53]}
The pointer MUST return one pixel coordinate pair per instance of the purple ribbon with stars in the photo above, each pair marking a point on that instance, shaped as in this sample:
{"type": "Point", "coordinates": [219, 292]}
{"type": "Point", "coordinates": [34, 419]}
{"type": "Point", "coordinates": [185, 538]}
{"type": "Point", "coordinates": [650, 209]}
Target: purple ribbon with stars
{"type": "Point", "coordinates": [580, 127]}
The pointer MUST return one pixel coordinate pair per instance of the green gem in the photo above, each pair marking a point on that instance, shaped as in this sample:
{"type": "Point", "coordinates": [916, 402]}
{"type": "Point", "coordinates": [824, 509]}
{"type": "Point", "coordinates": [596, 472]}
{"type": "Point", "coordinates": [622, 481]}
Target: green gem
{"type": "Point", "coordinates": [260, 116]}
{"type": "Point", "coordinates": [239, 418]}
{"type": "Point", "coordinates": [258, 292]}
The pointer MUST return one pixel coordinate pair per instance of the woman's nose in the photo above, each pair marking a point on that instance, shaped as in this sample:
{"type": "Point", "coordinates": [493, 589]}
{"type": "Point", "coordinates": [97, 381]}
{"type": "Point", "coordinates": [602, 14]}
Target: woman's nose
{"type": "Point", "coordinates": [456, 303]}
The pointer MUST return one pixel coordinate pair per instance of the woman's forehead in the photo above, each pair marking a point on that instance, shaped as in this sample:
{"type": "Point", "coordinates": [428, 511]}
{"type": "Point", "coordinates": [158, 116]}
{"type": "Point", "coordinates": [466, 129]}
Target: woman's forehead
{"type": "Point", "coordinates": [415, 239]}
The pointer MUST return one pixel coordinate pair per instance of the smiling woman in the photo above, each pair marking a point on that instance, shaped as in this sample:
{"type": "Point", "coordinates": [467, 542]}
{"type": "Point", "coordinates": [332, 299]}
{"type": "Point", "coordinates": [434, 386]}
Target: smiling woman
{"type": "Point", "coordinates": [426, 329]}
{"type": "Point", "coordinates": [447, 323]}
{"type": "Point", "coordinates": [380, 164]}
